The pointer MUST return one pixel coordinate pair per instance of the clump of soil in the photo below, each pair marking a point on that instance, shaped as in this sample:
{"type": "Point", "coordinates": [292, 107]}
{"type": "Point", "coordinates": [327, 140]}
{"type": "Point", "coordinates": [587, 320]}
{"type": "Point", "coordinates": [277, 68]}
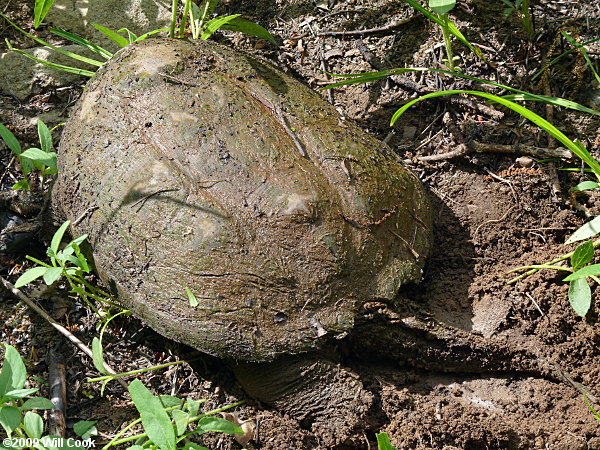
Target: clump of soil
{"type": "Point", "coordinates": [493, 214]}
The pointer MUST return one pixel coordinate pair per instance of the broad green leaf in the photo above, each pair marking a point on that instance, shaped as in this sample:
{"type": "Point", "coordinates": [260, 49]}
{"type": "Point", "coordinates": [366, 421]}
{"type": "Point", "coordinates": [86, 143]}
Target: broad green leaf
{"type": "Point", "coordinates": [193, 301]}
{"type": "Point", "coordinates": [17, 394]}
{"type": "Point", "coordinates": [383, 442]}
{"type": "Point", "coordinates": [40, 10]}
{"type": "Point", "coordinates": [37, 403]}
{"type": "Point", "coordinates": [23, 184]}
{"type": "Point", "coordinates": [249, 27]}
{"type": "Point", "coordinates": [45, 137]}
{"type": "Point", "coordinates": [169, 401]}
{"type": "Point", "coordinates": [85, 429]}
{"type": "Point", "coordinates": [215, 24]}
{"type": "Point", "coordinates": [585, 186]}
{"type": "Point", "coordinates": [442, 6]}
{"type": "Point", "coordinates": [193, 406]}
{"type": "Point", "coordinates": [136, 447]}
{"type": "Point", "coordinates": [113, 35]}
{"type": "Point", "coordinates": [39, 156]}
{"type": "Point", "coordinates": [52, 274]}
{"type": "Point", "coordinates": [30, 275]}
{"type": "Point", "coordinates": [580, 296]}
{"type": "Point", "coordinates": [98, 356]}
{"type": "Point", "coordinates": [13, 373]}
{"type": "Point", "coordinates": [10, 418]}
{"type": "Point", "coordinates": [58, 236]}
{"type": "Point", "coordinates": [217, 424]}
{"type": "Point", "coordinates": [83, 42]}
{"type": "Point", "coordinates": [155, 419]}
{"type": "Point", "coordinates": [150, 33]}
{"type": "Point", "coordinates": [586, 231]}
{"type": "Point", "coordinates": [582, 255]}
{"type": "Point", "coordinates": [180, 418]}
{"type": "Point", "coordinates": [34, 424]}
{"type": "Point", "coordinates": [593, 269]}
{"type": "Point", "coordinates": [10, 140]}
{"type": "Point", "coordinates": [576, 147]}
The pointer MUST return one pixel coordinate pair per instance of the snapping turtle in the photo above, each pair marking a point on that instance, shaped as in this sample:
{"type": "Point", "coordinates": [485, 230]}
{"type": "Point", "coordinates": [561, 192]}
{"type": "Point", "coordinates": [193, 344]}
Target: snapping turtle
{"type": "Point", "coordinates": [191, 165]}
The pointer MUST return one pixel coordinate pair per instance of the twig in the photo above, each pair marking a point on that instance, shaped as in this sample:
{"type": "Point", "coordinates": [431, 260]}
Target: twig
{"type": "Point", "coordinates": [70, 336]}
{"type": "Point", "coordinates": [83, 214]}
{"type": "Point", "coordinates": [146, 197]}
{"type": "Point", "coordinates": [519, 149]}
{"type": "Point", "coordinates": [370, 30]}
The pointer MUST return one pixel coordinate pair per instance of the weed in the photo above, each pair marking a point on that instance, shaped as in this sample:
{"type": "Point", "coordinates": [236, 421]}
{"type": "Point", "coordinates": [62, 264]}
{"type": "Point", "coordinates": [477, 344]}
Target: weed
{"type": "Point", "coordinates": [33, 159]}
{"type": "Point", "coordinates": [199, 25]}
{"type": "Point", "coordinates": [17, 416]}
{"type": "Point", "coordinates": [441, 9]}
{"type": "Point", "coordinates": [383, 442]}
{"type": "Point", "coordinates": [521, 8]}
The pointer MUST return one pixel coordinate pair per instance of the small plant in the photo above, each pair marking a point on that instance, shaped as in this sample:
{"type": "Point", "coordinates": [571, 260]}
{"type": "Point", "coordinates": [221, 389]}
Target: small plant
{"type": "Point", "coordinates": [591, 408]}
{"type": "Point", "coordinates": [71, 263]}
{"type": "Point", "coordinates": [521, 8]}
{"type": "Point", "coordinates": [441, 9]}
{"type": "Point", "coordinates": [200, 27]}
{"type": "Point", "coordinates": [17, 416]}
{"type": "Point", "coordinates": [42, 160]}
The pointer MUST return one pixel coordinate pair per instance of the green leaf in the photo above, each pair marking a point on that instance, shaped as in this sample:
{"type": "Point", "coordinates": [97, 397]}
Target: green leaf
{"type": "Point", "coordinates": [23, 184]}
{"type": "Point", "coordinates": [63, 68]}
{"type": "Point", "coordinates": [10, 140]}
{"type": "Point", "coordinates": [150, 33]}
{"type": "Point", "coordinates": [580, 296]}
{"type": "Point", "coordinates": [58, 236]}
{"type": "Point", "coordinates": [169, 401]}
{"type": "Point", "coordinates": [249, 27]}
{"type": "Point", "coordinates": [383, 442]}
{"type": "Point", "coordinates": [181, 419]}
{"type": "Point", "coordinates": [16, 394]}
{"type": "Point", "coordinates": [585, 186]}
{"type": "Point", "coordinates": [217, 424]}
{"type": "Point", "coordinates": [215, 24]}
{"type": "Point", "coordinates": [34, 424]}
{"type": "Point", "coordinates": [13, 373]}
{"type": "Point", "coordinates": [45, 137]}
{"type": "Point", "coordinates": [587, 271]}
{"type": "Point", "coordinates": [40, 10]}
{"type": "Point", "coordinates": [582, 255]}
{"type": "Point", "coordinates": [83, 42]}
{"type": "Point", "coordinates": [192, 406]}
{"type": "Point", "coordinates": [586, 231]}
{"type": "Point", "coordinates": [191, 298]}
{"type": "Point", "coordinates": [85, 429]}
{"type": "Point", "coordinates": [131, 36]}
{"type": "Point", "coordinates": [10, 418]}
{"type": "Point", "coordinates": [39, 156]}
{"type": "Point", "coordinates": [98, 356]}
{"type": "Point", "coordinates": [154, 418]}
{"type": "Point", "coordinates": [114, 36]}
{"type": "Point", "coordinates": [30, 275]}
{"type": "Point", "coordinates": [52, 274]}
{"type": "Point", "coordinates": [37, 403]}
{"type": "Point", "coordinates": [442, 6]}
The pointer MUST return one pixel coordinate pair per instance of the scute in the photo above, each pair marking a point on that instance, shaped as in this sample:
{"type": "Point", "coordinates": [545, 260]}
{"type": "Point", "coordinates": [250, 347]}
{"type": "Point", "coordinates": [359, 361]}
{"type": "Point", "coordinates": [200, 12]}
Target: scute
{"type": "Point", "coordinates": [197, 166]}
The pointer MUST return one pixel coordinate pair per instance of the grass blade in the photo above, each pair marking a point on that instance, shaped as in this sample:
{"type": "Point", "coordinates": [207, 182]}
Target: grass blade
{"type": "Point", "coordinates": [576, 147]}
{"type": "Point", "coordinates": [215, 24]}
{"type": "Point", "coordinates": [40, 10]}
{"type": "Point", "coordinates": [10, 140]}
{"type": "Point", "coordinates": [249, 27]}
{"type": "Point", "coordinates": [83, 42]}
{"type": "Point", "coordinates": [68, 69]}
{"type": "Point", "coordinates": [112, 35]}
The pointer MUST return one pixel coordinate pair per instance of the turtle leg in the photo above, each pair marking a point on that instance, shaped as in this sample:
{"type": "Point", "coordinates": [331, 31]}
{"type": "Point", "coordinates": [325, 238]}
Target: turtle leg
{"type": "Point", "coordinates": [316, 391]}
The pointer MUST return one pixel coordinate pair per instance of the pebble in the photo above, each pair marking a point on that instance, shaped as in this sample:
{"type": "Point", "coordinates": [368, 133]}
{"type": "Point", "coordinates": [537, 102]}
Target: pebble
{"type": "Point", "coordinates": [525, 161]}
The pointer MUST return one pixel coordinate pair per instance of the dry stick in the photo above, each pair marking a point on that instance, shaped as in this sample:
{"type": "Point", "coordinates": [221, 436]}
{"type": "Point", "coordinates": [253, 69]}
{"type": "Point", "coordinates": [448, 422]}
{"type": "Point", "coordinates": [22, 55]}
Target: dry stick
{"type": "Point", "coordinates": [58, 394]}
{"type": "Point", "coordinates": [38, 309]}
{"type": "Point", "coordinates": [479, 147]}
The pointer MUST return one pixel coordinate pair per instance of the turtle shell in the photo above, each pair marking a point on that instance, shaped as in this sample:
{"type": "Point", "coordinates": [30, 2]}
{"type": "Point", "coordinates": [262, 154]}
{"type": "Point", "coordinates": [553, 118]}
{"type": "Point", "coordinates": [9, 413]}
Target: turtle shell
{"type": "Point", "coordinates": [229, 206]}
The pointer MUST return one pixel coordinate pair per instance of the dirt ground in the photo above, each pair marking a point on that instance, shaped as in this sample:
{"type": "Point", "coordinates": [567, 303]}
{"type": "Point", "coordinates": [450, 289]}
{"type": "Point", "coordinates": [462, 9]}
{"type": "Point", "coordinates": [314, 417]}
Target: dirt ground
{"type": "Point", "coordinates": [493, 213]}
